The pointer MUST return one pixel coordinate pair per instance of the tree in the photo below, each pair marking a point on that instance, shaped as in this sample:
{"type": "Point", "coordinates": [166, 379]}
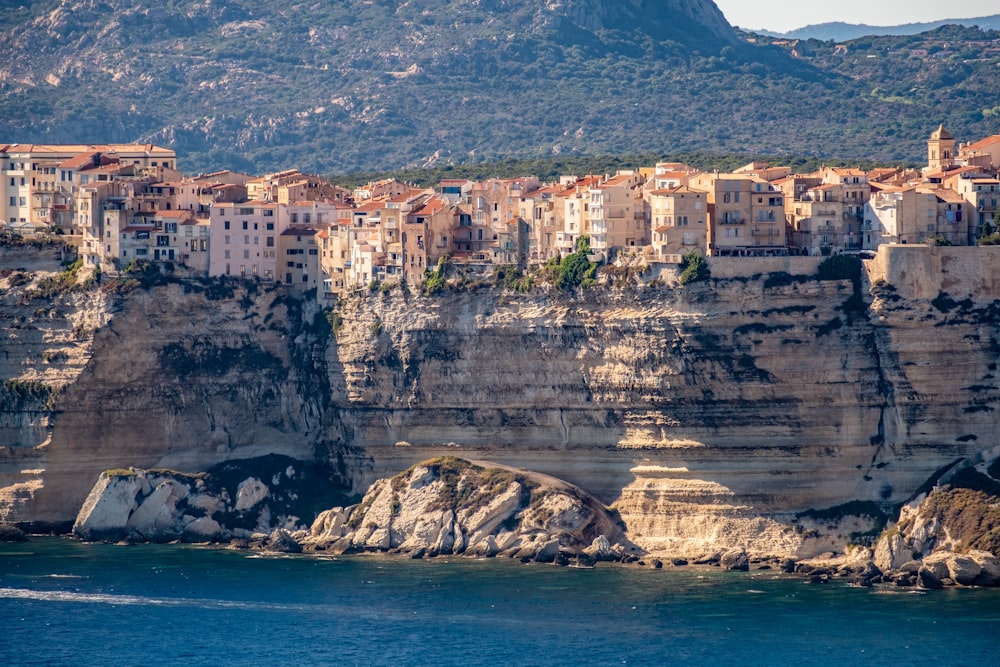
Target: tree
{"type": "Point", "coordinates": [694, 268]}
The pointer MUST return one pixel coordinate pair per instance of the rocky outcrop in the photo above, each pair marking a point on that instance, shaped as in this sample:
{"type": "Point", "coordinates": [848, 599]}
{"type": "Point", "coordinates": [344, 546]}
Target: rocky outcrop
{"type": "Point", "coordinates": [226, 502]}
{"type": "Point", "coordinates": [450, 506]}
{"type": "Point", "coordinates": [949, 535]}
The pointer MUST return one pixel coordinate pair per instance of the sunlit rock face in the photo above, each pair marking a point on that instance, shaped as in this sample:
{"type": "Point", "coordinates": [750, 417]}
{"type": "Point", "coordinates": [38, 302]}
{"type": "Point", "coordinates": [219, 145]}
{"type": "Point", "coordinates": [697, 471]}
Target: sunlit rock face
{"type": "Point", "coordinates": [711, 416]}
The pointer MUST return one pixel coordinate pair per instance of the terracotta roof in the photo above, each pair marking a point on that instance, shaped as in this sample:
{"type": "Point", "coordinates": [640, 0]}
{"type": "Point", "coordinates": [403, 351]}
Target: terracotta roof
{"type": "Point", "coordinates": [407, 196]}
{"type": "Point", "coordinates": [82, 160]}
{"type": "Point", "coordinates": [433, 205]}
{"type": "Point", "coordinates": [982, 143]}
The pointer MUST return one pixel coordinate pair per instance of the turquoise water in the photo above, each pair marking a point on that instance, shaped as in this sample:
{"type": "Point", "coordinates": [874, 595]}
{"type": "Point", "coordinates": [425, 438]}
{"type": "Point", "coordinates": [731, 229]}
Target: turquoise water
{"type": "Point", "coordinates": [64, 602]}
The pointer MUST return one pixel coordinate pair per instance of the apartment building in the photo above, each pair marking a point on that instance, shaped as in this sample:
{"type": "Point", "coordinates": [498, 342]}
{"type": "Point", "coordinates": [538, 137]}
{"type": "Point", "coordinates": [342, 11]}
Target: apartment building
{"type": "Point", "coordinates": [244, 239]}
{"type": "Point", "coordinates": [916, 214]}
{"type": "Point", "coordinates": [746, 215]}
{"type": "Point", "coordinates": [679, 226]}
{"type": "Point", "coordinates": [40, 180]}
{"type": "Point", "coordinates": [617, 217]}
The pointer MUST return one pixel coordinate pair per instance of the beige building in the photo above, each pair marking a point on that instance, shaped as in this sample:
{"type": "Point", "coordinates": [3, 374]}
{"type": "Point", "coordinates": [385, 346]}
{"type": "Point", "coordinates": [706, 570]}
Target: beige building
{"type": "Point", "coordinates": [828, 217]}
{"type": "Point", "coordinates": [678, 223]}
{"type": "Point", "coordinates": [616, 215]}
{"type": "Point", "coordinates": [41, 180]}
{"type": "Point", "coordinates": [916, 214]}
{"type": "Point", "coordinates": [982, 192]}
{"type": "Point", "coordinates": [299, 264]}
{"type": "Point", "coordinates": [244, 239]}
{"type": "Point", "coordinates": [746, 215]}
{"type": "Point", "coordinates": [983, 153]}
{"type": "Point", "coordinates": [427, 236]}
{"type": "Point", "coordinates": [539, 210]}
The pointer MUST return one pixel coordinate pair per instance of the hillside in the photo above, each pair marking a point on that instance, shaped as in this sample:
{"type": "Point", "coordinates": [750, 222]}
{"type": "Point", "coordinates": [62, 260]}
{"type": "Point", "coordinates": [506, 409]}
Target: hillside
{"type": "Point", "coordinates": [366, 84]}
{"type": "Point", "coordinates": [838, 31]}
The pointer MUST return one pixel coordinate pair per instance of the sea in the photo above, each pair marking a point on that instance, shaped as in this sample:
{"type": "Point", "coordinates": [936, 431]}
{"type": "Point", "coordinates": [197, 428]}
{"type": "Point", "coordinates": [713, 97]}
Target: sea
{"type": "Point", "coordinates": [64, 602]}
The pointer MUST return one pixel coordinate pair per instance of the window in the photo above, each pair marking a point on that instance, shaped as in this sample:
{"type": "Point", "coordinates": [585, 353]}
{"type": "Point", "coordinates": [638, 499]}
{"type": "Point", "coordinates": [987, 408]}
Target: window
{"type": "Point", "coordinates": [269, 242]}
{"type": "Point", "coordinates": [244, 224]}
{"type": "Point", "coordinates": [246, 239]}
{"type": "Point", "coordinates": [226, 256]}
{"type": "Point", "coordinates": [269, 226]}
{"type": "Point", "coordinates": [170, 227]}
{"type": "Point", "coordinates": [226, 239]}
{"type": "Point", "coordinates": [225, 225]}
{"type": "Point", "coordinates": [246, 254]}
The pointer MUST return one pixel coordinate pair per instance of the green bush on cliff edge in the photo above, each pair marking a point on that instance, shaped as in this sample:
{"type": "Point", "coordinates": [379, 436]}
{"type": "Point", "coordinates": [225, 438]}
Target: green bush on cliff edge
{"type": "Point", "coordinates": [694, 268]}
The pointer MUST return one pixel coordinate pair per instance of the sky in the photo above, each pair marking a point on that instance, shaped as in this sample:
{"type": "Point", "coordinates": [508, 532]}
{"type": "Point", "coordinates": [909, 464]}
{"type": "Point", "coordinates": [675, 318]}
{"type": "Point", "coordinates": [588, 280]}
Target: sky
{"type": "Point", "coordinates": [785, 15]}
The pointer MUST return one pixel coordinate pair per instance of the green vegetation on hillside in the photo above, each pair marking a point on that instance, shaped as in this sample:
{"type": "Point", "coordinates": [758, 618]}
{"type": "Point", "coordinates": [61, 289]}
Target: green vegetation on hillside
{"type": "Point", "coordinates": [378, 86]}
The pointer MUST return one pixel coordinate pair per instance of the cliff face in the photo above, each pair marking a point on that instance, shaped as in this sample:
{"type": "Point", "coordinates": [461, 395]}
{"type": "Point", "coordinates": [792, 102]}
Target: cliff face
{"type": "Point", "coordinates": [709, 416]}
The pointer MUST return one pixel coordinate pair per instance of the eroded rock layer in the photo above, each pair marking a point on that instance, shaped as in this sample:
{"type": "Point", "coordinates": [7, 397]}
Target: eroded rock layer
{"type": "Point", "coordinates": [711, 416]}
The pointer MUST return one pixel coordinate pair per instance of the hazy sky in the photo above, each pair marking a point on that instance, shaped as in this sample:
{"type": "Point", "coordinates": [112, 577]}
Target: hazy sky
{"type": "Point", "coordinates": [784, 15]}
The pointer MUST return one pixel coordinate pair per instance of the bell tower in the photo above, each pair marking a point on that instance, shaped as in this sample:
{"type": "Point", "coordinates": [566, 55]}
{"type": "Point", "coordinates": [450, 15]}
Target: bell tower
{"type": "Point", "coordinates": [940, 149]}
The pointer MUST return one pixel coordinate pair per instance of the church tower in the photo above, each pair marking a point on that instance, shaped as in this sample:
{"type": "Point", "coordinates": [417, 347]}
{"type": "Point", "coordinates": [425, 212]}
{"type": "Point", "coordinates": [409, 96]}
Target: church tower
{"type": "Point", "coordinates": [940, 149]}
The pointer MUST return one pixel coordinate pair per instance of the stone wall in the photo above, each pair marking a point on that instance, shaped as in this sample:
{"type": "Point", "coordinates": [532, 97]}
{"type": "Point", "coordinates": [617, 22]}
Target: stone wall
{"type": "Point", "coordinates": [922, 272]}
{"type": "Point", "coordinates": [745, 267]}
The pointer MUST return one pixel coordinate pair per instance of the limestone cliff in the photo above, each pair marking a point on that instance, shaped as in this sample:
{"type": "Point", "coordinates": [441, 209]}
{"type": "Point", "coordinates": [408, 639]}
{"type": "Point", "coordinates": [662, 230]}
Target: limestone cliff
{"type": "Point", "coordinates": [746, 411]}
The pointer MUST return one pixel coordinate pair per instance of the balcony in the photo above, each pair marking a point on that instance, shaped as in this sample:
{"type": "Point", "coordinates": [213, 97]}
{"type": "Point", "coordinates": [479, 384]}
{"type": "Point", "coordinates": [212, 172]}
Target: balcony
{"type": "Point", "coordinates": [733, 221]}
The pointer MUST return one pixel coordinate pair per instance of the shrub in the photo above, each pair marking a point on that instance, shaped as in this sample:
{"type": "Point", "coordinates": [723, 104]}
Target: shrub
{"type": "Point", "coordinates": [576, 269]}
{"type": "Point", "coordinates": [694, 268]}
{"type": "Point", "coordinates": [435, 281]}
{"type": "Point", "coordinates": [839, 267]}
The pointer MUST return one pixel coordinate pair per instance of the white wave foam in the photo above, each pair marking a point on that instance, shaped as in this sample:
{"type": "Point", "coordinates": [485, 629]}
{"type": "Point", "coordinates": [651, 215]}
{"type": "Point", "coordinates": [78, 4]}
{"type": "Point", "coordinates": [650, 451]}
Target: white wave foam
{"type": "Point", "coordinates": [138, 600]}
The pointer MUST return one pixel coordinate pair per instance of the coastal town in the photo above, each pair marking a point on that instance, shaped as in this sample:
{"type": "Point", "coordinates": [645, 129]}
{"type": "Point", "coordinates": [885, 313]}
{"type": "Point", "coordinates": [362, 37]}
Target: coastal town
{"type": "Point", "coordinates": [123, 203]}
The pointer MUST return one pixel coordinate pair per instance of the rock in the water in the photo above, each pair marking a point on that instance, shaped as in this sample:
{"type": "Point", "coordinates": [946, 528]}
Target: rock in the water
{"type": "Point", "coordinates": [736, 560]}
{"type": "Point", "coordinates": [600, 549]}
{"type": "Point", "coordinates": [928, 579]}
{"type": "Point", "coordinates": [548, 551]}
{"type": "Point", "coordinates": [963, 570]}
{"type": "Point", "coordinates": [450, 506]}
{"type": "Point", "coordinates": [10, 533]}
{"type": "Point", "coordinates": [990, 564]}
{"type": "Point", "coordinates": [280, 541]}
{"type": "Point", "coordinates": [204, 528]}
